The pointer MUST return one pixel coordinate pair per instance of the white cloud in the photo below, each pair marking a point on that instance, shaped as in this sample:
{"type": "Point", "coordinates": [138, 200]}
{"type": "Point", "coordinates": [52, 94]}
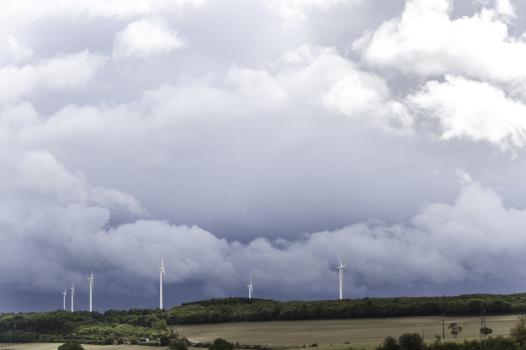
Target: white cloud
{"type": "Point", "coordinates": [473, 110]}
{"type": "Point", "coordinates": [14, 118]}
{"type": "Point", "coordinates": [425, 40]}
{"type": "Point", "coordinates": [343, 88]}
{"type": "Point", "coordinates": [256, 84]}
{"type": "Point", "coordinates": [505, 8]}
{"type": "Point", "coordinates": [58, 73]}
{"type": "Point", "coordinates": [463, 176]}
{"type": "Point", "coordinates": [17, 50]}
{"type": "Point", "coordinates": [144, 38]}
{"type": "Point", "coordinates": [26, 10]}
{"type": "Point", "coordinates": [296, 10]}
{"type": "Point", "coordinates": [362, 95]}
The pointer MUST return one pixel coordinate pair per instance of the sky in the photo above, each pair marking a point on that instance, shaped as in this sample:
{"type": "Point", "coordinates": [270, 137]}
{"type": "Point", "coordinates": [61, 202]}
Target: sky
{"type": "Point", "coordinates": [260, 139]}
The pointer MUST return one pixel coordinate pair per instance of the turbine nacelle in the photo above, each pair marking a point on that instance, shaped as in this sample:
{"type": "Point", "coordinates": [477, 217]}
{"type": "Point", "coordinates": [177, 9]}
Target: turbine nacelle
{"type": "Point", "coordinates": [341, 266]}
{"type": "Point", "coordinates": [161, 268]}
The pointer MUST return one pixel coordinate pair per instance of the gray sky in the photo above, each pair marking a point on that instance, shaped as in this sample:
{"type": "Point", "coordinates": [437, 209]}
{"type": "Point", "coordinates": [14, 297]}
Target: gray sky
{"type": "Point", "coordinates": [261, 138]}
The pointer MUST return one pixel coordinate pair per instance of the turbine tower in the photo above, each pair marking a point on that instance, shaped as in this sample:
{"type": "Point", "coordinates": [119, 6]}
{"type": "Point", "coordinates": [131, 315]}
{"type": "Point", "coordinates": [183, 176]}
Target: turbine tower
{"type": "Point", "coordinates": [340, 276]}
{"type": "Point", "coordinates": [64, 293]}
{"type": "Point", "coordinates": [250, 287]}
{"type": "Point", "coordinates": [162, 273]}
{"type": "Point", "coordinates": [90, 279]}
{"type": "Point", "coordinates": [72, 288]}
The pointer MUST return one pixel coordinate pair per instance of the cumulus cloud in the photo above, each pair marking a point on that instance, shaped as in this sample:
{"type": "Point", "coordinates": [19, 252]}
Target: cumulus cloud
{"type": "Point", "coordinates": [17, 50]}
{"type": "Point", "coordinates": [441, 245]}
{"type": "Point", "coordinates": [426, 40]}
{"type": "Point", "coordinates": [58, 73]}
{"type": "Point", "coordinates": [267, 143]}
{"type": "Point", "coordinates": [145, 38]}
{"type": "Point", "coordinates": [474, 110]}
{"type": "Point", "coordinates": [29, 10]}
{"type": "Point", "coordinates": [296, 10]}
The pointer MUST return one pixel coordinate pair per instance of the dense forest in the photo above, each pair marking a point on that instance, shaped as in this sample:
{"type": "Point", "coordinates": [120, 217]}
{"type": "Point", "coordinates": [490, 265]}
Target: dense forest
{"type": "Point", "coordinates": [143, 325]}
{"type": "Point", "coordinates": [239, 309]}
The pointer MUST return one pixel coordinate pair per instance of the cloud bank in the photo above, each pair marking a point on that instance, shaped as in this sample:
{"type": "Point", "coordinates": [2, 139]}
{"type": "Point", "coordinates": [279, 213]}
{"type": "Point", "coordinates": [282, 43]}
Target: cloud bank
{"type": "Point", "coordinates": [260, 138]}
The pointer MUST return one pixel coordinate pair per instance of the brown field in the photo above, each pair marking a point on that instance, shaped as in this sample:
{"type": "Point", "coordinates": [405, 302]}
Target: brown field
{"type": "Point", "coordinates": [334, 333]}
{"type": "Point", "coordinates": [329, 334]}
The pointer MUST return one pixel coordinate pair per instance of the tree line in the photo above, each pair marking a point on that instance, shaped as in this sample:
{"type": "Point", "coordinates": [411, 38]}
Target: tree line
{"type": "Point", "coordinates": [144, 323]}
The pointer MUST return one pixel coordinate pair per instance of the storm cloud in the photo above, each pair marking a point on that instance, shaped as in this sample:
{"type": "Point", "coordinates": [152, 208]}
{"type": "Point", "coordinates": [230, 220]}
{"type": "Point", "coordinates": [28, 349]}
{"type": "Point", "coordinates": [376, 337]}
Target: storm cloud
{"type": "Point", "coordinates": [264, 139]}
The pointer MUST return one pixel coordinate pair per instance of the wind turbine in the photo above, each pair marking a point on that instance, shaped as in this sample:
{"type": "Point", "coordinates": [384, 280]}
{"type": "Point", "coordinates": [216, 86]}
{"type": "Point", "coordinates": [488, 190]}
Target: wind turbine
{"type": "Point", "coordinates": [90, 279]}
{"type": "Point", "coordinates": [340, 268]}
{"type": "Point", "coordinates": [162, 272]}
{"type": "Point", "coordinates": [64, 293]}
{"type": "Point", "coordinates": [250, 287]}
{"type": "Point", "coordinates": [72, 288]}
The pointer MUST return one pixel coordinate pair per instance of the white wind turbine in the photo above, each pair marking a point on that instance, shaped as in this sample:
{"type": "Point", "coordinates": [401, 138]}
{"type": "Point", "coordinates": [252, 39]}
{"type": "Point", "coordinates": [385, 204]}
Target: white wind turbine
{"type": "Point", "coordinates": [72, 288]}
{"type": "Point", "coordinates": [90, 279]}
{"type": "Point", "coordinates": [162, 272]}
{"type": "Point", "coordinates": [250, 287]}
{"type": "Point", "coordinates": [64, 293]}
{"type": "Point", "coordinates": [340, 268]}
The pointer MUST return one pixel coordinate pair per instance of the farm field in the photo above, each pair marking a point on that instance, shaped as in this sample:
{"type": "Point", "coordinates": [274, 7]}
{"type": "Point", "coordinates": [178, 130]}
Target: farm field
{"type": "Point", "coordinates": [334, 333]}
{"type": "Point", "coordinates": [51, 346]}
{"type": "Point", "coordinates": [328, 334]}
{"type": "Point", "coordinates": [54, 346]}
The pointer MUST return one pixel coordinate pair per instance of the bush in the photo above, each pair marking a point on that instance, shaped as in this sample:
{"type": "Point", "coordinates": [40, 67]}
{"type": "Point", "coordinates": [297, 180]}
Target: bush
{"type": "Point", "coordinates": [390, 343]}
{"type": "Point", "coordinates": [454, 346]}
{"type": "Point", "coordinates": [221, 344]}
{"type": "Point", "coordinates": [518, 332]}
{"type": "Point", "coordinates": [411, 341]}
{"type": "Point", "coordinates": [71, 346]}
{"type": "Point", "coordinates": [178, 345]}
{"type": "Point", "coordinates": [164, 340]}
{"type": "Point", "coordinates": [501, 343]}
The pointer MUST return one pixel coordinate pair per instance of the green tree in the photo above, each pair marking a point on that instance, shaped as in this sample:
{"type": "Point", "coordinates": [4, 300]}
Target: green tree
{"type": "Point", "coordinates": [485, 331]}
{"type": "Point", "coordinates": [71, 346]}
{"type": "Point", "coordinates": [518, 332]}
{"type": "Point", "coordinates": [164, 340]}
{"type": "Point", "coordinates": [160, 325]}
{"type": "Point", "coordinates": [390, 343]}
{"type": "Point", "coordinates": [221, 344]}
{"type": "Point", "coordinates": [455, 329]}
{"type": "Point", "coordinates": [178, 344]}
{"type": "Point", "coordinates": [411, 341]}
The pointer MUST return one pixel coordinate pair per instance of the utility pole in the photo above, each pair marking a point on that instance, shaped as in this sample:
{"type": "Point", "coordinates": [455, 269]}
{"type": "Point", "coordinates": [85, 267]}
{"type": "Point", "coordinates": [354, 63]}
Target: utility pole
{"type": "Point", "coordinates": [443, 327]}
{"type": "Point", "coordinates": [483, 328]}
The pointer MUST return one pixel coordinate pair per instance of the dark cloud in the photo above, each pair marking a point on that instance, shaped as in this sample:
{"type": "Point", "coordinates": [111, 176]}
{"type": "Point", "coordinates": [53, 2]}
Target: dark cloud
{"type": "Point", "coordinates": [260, 138]}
